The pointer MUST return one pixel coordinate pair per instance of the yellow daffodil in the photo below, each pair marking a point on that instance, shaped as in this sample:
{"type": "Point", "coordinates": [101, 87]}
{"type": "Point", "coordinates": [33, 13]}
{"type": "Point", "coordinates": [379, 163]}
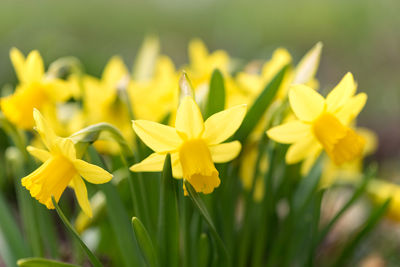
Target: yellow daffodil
{"type": "Point", "coordinates": [322, 124]}
{"type": "Point", "coordinates": [380, 191]}
{"type": "Point", "coordinates": [194, 145]}
{"type": "Point", "coordinates": [60, 168]}
{"type": "Point", "coordinates": [35, 89]}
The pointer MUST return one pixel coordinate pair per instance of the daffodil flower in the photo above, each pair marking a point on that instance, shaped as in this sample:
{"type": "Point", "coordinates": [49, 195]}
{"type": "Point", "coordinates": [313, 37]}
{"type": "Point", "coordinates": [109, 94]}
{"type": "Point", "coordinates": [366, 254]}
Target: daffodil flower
{"type": "Point", "coordinates": [322, 124]}
{"type": "Point", "coordinates": [194, 145]}
{"type": "Point", "coordinates": [60, 168]}
{"type": "Point", "coordinates": [35, 89]}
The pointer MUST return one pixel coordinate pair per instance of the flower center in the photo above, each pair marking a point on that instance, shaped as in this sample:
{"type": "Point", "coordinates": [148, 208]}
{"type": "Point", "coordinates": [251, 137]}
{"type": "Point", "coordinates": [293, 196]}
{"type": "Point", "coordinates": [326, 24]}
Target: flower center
{"type": "Point", "coordinates": [50, 179]}
{"type": "Point", "coordinates": [341, 143]}
{"type": "Point", "coordinates": [198, 167]}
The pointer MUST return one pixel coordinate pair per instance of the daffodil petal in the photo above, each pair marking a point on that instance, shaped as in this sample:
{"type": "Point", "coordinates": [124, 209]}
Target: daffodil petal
{"type": "Point", "coordinates": [189, 121]}
{"type": "Point", "coordinates": [306, 103]}
{"type": "Point", "coordinates": [81, 195]}
{"type": "Point", "coordinates": [352, 108]}
{"type": "Point", "coordinates": [225, 152]}
{"type": "Point", "coordinates": [92, 173]}
{"type": "Point", "coordinates": [114, 71]}
{"type": "Point", "coordinates": [34, 67]}
{"type": "Point", "coordinates": [153, 163]}
{"type": "Point", "coordinates": [290, 132]}
{"type": "Point", "coordinates": [176, 166]}
{"type": "Point", "coordinates": [158, 137]}
{"type": "Point", "coordinates": [67, 147]}
{"type": "Point", "coordinates": [341, 93]}
{"type": "Point", "coordinates": [301, 149]}
{"type": "Point", "coordinates": [224, 124]}
{"type": "Point", "coordinates": [45, 131]}
{"type": "Point", "coordinates": [40, 154]}
{"type": "Point", "coordinates": [18, 61]}
{"type": "Point", "coordinates": [310, 160]}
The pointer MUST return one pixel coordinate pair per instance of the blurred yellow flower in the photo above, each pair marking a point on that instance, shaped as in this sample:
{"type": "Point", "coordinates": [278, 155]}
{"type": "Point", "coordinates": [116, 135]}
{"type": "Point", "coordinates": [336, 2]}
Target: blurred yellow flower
{"type": "Point", "coordinates": [194, 145]}
{"type": "Point", "coordinates": [322, 124]}
{"type": "Point", "coordinates": [103, 102]}
{"type": "Point", "coordinates": [154, 97]}
{"type": "Point", "coordinates": [60, 168]}
{"type": "Point", "coordinates": [202, 63]}
{"type": "Point", "coordinates": [35, 89]}
{"type": "Point", "coordinates": [380, 191]}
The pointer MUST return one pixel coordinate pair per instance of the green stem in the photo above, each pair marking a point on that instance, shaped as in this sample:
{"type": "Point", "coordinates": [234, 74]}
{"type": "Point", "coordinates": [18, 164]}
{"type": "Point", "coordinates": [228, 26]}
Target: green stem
{"type": "Point", "coordinates": [93, 259]}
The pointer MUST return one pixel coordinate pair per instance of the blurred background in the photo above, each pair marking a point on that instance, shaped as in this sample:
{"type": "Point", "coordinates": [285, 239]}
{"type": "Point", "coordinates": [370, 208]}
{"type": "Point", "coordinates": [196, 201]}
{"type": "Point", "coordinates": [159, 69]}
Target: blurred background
{"type": "Point", "coordinates": [358, 36]}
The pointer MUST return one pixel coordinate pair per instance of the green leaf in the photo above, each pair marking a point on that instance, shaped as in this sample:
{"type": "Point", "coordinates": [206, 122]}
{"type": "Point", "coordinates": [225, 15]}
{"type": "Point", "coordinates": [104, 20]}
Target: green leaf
{"type": "Point", "coordinates": [119, 219]}
{"type": "Point", "coordinates": [41, 262]}
{"type": "Point", "coordinates": [204, 250]}
{"type": "Point", "coordinates": [93, 259]}
{"type": "Point", "coordinates": [260, 105]}
{"type": "Point", "coordinates": [216, 95]}
{"type": "Point", "coordinates": [12, 244]}
{"type": "Point", "coordinates": [145, 243]}
{"type": "Point", "coordinates": [168, 220]}
{"type": "Point", "coordinates": [199, 204]}
{"type": "Point", "coordinates": [357, 194]}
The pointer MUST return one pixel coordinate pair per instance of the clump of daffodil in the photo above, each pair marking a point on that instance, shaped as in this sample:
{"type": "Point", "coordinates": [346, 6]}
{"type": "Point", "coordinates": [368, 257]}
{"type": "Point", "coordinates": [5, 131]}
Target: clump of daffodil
{"type": "Point", "coordinates": [60, 168]}
{"type": "Point", "coordinates": [35, 89]}
{"type": "Point", "coordinates": [322, 124]}
{"type": "Point", "coordinates": [194, 145]}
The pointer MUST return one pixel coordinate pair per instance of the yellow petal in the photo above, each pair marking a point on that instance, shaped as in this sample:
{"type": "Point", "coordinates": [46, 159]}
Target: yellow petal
{"type": "Point", "coordinates": [306, 103]}
{"type": "Point", "coordinates": [34, 68]}
{"type": "Point", "coordinates": [224, 124]}
{"type": "Point", "coordinates": [301, 149]}
{"type": "Point", "coordinates": [46, 132]}
{"type": "Point", "coordinates": [158, 137]}
{"type": "Point", "coordinates": [290, 132]}
{"type": "Point", "coordinates": [225, 152]}
{"type": "Point", "coordinates": [153, 163]}
{"type": "Point", "coordinates": [18, 61]}
{"type": "Point", "coordinates": [310, 159]}
{"type": "Point", "coordinates": [114, 71]}
{"type": "Point", "coordinates": [40, 154]}
{"type": "Point", "coordinates": [67, 148]}
{"type": "Point", "coordinates": [59, 90]}
{"type": "Point", "coordinates": [197, 54]}
{"type": "Point", "coordinates": [176, 166]}
{"type": "Point", "coordinates": [81, 195]}
{"type": "Point", "coordinates": [189, 121]}
{"type": "Point", "coordinates": [92, 173]}
{"type": "Point", "coordinates": [352, 108]}
{"type": "Point", "coordinates": [341, 93]}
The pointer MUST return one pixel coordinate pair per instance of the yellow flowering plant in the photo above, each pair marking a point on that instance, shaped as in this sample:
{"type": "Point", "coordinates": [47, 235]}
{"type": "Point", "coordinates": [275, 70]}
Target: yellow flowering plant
{"type": "Point", "coordinates": [207, 164]}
